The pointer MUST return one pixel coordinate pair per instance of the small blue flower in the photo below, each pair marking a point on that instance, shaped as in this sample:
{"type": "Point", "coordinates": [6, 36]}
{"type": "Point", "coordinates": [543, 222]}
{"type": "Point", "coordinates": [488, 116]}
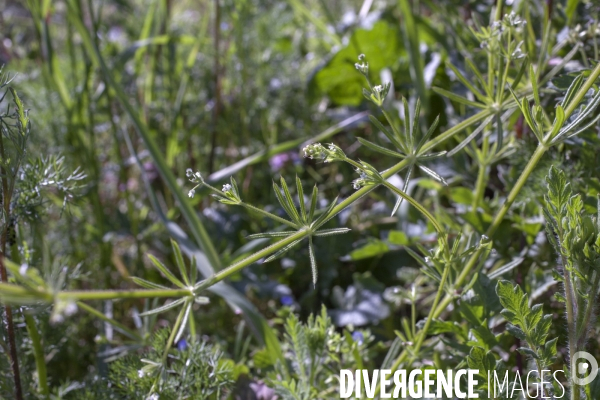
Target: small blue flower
{"type": "Point", "coordinates": [287, 300]}
{"type": "Point", "coordinates": [358, 337]}
{"type": "Point", "coordinates": [182, 345]}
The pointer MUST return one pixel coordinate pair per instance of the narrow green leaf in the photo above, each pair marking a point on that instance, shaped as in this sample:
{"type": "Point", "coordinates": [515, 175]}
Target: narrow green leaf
{"type": "Point", "coordinates": [325, 216]}
{"type": "Point", "coordinates": [331, 232]}
{"type": "Point", "coordinates": [427, 135]}
{"type": "Point", "coordinates": [234, 186]}
{"type": "Point", "coordinates": [395, 141]}
{"type": "Point", "coordinates": [180, 263]}
{"type": "Point", "coordinates": [290, 202]}
{"type": "Point", "coordinates": [479, 76]}
{"type": "Point", "coordinates": [433, 174]}
{"type": "Point", "coordinates": [407, 128]}
{"type": "Point", "coordinates": [570, 10]}
{"type": "Point", "coordinates": [313, 261]}
{"type": "Point", "coordinates": [313, 203]}
{"type": "Point", "coordinates": [426, 157]}
{"type": "Point", "coordinates": [467, 83]}
{"type": "Point", "coordinates": [300, 191]}
{"type": "Point", "coordinates": [161, 267]}
{"type": "Point", "coordinates": [534, 85]}
{"type": "Point", "coordinates": [458, 99]}
{"type": "Point", "coordinates": [415, 123]}
{"type": "Point", "coordinates": [559, 120]}
{"type": "Point", "coordinates": [182, 325]}
{"type": "Point", "coordinates": [472, 136]}
{"type": "Point", "coordinates": [404, 189]}
{"type": "Point", "coordinates": [164, 308]}
{"type": "Point", "coordinates": [379, 149]}
{"type": "Point", "coordinates": [270, 235]}
{"type": "Point", "coordinates": [284, 204]}
{"type": "Point", "coordinates": [505, 268]}
{"type": "Point", "coordinates": [572, 90]}
{"type": "Point", "coordinates": [147, 284]}
{"type": "Point", "coordinates": [282, 251]}
{"type": "Point", "coordinates": [520, 74]}
{"type": "Point", "coordinates": [417, 257]}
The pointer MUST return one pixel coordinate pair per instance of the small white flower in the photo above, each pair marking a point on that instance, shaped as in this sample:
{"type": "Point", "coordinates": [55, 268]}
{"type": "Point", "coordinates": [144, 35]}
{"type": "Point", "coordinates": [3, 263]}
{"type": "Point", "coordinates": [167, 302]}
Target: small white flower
{"type": "Point", "coordinates": [140, 373]}
{"type": "Point", "coordinates": [226, 188]}
{"type": "Point", "coordinates": [70, 308]}
{"type": "Point", "coordinates": [378, 88]}
{"type": "Point", "coordinates": [191, 193]}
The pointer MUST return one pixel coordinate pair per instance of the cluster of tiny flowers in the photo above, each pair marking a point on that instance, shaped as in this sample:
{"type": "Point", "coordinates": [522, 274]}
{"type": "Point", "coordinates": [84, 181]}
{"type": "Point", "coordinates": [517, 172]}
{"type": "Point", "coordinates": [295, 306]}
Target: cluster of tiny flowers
{"type": "Point", "coordinates": [194, 177]}
{"type": "Point", "coordinates": [518, 53]}
{"type": "Point", "coordinates": [227, 188]}
{"type": "Point", "coordinates": [514, 20]}
{"type": "Point", "coordinates": [316, 151]}
{"type": "Point", "coordinates": [362, 181]}
{"type": "Point", "coordinates": [363, 66]}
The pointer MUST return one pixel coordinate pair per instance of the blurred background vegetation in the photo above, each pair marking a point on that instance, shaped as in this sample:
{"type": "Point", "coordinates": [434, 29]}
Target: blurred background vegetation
{"type": "Point", "coordinates": [236, 88]}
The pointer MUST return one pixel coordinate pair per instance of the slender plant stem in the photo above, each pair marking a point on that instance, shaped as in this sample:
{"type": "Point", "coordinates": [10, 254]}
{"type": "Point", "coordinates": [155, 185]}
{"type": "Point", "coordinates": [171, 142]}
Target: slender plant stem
{"type": "Point", "coordinates": [38, 354]}
{"type": "Point", "coordinates": [76, 295]}
{"type": "Point", "coordinates": [8, 315]}
{"type": "Point", "coordinates": [479, 186]}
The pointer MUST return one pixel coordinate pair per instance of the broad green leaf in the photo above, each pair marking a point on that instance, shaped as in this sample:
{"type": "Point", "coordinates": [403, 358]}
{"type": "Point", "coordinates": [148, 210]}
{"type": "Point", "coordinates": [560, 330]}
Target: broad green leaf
{"type": "Point", "coordinates": [372, 249]}
{"type": "Point", "coordinates": [398, 238]}
{"type": "Point", "coordinates": [526, 351]}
